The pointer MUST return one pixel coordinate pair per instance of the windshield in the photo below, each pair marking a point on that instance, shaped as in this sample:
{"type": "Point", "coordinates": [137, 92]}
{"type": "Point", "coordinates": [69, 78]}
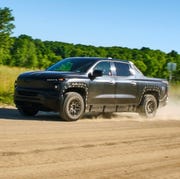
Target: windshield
{"type": "Point", "coordinates": [80, 65]}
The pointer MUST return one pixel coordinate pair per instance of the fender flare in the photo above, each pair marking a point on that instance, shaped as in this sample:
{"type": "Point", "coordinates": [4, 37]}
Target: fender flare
{"type": "Point", "coordinates": [150, 89]}
{"type": "Point", "coordinates": [75, 87]}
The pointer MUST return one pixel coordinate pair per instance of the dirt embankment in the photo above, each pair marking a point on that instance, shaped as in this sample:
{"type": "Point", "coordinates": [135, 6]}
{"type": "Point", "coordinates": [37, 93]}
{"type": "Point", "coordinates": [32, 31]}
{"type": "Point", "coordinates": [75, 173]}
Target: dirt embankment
{"type": "Point", "coordinates": [124, 146]}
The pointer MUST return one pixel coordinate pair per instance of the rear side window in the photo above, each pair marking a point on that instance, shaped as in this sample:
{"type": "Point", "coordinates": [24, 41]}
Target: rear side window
{"type": "Point", "coordinates": [122, 69]}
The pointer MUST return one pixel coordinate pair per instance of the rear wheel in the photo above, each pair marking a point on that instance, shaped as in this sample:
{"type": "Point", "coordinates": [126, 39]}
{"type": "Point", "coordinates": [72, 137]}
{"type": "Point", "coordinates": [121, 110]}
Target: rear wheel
{"type": "Point", "coordinates": [73, 107]}
{"type": "Point", "coordinates": [27, 111]}
{"type": "Point", "coordinates": [148, 107]}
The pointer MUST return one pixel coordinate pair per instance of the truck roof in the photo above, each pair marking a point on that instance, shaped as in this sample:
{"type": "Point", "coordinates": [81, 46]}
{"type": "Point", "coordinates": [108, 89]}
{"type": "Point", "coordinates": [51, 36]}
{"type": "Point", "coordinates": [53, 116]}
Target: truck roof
{"type": "Point", "coordinates": [100, 58]}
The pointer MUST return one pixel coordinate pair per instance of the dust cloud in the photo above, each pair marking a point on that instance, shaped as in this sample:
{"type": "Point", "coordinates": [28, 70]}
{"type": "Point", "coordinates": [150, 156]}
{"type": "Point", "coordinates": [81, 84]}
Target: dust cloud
{"type": "Point", "coordinates": [170, 112]}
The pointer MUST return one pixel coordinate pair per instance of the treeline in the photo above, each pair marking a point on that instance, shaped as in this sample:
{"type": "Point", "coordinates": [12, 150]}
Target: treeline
{"type": "Point", "coordinates": [34, 53]}
{"type": "Point", "coordinates": [24, 51]}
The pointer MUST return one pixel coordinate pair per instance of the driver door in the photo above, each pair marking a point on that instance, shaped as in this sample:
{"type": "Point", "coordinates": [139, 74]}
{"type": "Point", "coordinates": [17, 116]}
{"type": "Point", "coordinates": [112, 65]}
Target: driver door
{"type": "Point", "coordinates": [101, 94]}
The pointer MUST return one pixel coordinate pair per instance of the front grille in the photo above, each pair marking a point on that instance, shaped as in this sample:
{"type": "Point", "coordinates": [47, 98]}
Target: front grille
{"type": "Point", "coordinates": [32, 83]}
{"type": "Point", "coordinates": [35, 84]}
{"type": "Point", "coordinates": [27, 93]}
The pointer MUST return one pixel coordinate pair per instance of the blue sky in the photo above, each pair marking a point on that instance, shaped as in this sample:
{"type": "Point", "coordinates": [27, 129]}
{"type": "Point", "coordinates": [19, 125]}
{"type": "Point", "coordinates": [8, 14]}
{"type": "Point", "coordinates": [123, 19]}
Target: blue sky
{"type": "Point", "coordinates": [126, 23]}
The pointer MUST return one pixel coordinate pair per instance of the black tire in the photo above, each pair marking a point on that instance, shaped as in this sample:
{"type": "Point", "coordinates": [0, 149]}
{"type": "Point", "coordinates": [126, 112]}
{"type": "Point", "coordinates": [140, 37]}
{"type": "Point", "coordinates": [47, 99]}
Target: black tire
{"type": "Point", "coordinates": [148, 106]}
{"type": "Point", "coordinates": [73, 107]}
{"type": "Point", "coordinates": [27, 111]}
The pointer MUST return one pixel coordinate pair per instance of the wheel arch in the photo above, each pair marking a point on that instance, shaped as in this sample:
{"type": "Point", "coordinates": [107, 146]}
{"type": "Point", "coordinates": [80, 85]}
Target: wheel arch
{"type": "Point", "coordinates": [78, 87]}
{"type": "Point", "coordinates": [81, 91]}
{"type": "Point", "coordinates": [155, 91]}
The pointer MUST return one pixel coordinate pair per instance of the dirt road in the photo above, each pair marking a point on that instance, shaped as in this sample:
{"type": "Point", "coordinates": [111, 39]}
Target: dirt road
{"type": "Point", "coordinates": [124, 146]}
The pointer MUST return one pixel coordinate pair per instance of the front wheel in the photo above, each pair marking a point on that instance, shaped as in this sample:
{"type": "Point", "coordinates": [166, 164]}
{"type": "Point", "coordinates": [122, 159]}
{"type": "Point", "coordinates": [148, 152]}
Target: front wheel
{"type": "Point", "coordinates": [73, 107]}
{"type": "Point", "coordinates": [148, 106]}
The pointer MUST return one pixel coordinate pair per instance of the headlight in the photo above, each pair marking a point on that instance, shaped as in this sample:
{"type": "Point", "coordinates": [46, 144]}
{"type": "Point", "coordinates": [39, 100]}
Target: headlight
{"type": "Point", "coordinates": [55, 80]}
{"type": "Point", "coordinates": [51, 79]}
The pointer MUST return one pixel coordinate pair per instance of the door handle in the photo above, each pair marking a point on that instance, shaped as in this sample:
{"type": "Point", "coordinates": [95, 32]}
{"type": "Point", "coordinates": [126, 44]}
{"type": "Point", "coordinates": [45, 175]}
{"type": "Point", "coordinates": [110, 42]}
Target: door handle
{"type": "Point", "coordinates": [133, 83]}
{"type": "Point", "coordinates": [111, 82]}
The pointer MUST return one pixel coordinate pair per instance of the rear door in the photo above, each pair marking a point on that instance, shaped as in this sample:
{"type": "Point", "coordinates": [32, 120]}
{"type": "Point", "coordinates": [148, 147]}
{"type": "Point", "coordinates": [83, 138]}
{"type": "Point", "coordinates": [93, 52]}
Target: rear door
{"type": "Point", "coordinates": [126, 85]}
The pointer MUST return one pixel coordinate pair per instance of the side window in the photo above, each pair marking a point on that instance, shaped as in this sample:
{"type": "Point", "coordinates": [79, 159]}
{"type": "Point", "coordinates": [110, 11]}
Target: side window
{"type": "Point", "coordinates": [104, 67]}
{"type": "Point", "coordinates": [122, 69]}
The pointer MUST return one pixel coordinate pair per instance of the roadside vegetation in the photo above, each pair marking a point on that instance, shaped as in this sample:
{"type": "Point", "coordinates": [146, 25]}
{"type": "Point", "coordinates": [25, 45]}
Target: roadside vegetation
{"type": "Point", "coordinates": [8, 76]}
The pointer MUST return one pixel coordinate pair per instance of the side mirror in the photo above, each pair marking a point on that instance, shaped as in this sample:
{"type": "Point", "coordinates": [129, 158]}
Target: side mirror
{"type": "Point", "coordinates": [95, 74]}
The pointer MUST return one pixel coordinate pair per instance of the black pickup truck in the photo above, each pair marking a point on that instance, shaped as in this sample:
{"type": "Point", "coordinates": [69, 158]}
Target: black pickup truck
{"type": "Point", "coordinates": [77, 85]}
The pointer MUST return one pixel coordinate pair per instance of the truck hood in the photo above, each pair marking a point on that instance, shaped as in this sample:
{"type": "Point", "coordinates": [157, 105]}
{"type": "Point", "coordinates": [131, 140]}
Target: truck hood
{"type": "Point", "coordinates": [49, 75]}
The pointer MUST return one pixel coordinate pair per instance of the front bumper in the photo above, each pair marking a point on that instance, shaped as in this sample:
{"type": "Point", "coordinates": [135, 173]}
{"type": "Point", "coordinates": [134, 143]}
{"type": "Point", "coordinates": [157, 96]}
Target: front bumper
{"type": "Point", "coordinates": [45, 100]}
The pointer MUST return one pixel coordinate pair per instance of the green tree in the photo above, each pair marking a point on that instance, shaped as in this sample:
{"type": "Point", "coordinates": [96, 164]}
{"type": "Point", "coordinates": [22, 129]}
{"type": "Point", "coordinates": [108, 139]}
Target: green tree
{"type": "Point", "coordinates": [24, 52]}
{"type": "Point", "coordinates": [6, 27]}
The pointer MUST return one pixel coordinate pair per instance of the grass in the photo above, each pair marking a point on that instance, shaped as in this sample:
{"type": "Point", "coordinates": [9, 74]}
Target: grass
{"type": "Point", "coordinates": [8, 76]}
